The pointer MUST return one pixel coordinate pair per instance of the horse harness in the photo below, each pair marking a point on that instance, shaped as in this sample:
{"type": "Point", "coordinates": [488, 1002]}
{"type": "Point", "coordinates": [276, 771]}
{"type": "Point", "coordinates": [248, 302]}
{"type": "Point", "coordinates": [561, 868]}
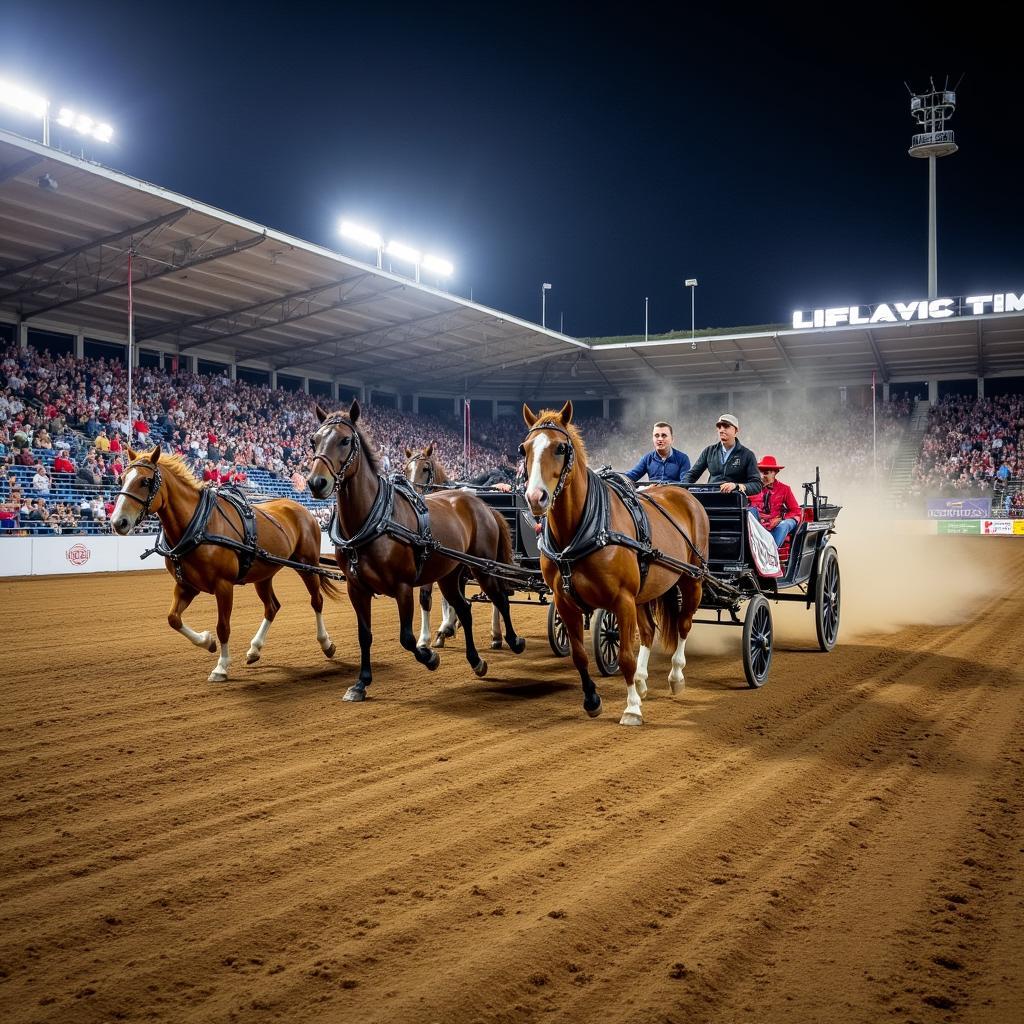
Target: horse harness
{"type": "Point", "coordinates": [195, 533]}
{"type": "Point", "coordinates": [595, 532]}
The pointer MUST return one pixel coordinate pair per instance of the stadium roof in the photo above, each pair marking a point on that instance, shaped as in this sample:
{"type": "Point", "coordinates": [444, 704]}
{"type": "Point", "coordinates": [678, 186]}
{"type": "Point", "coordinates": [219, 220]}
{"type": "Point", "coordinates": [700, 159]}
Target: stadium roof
{"type": "Point", "coordinates": [208, 283]}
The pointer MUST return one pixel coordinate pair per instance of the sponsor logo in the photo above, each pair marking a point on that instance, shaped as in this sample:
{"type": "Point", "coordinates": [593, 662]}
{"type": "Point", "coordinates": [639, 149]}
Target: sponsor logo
{"type": "Point", "coordinates": [959, 508]}
{"type": "Point", "coordinates": [950, 526]}
{"type": "Point", "coordinates": [1018, 527]}
{"type": "Point", "coordinates": [78, 554]}
{"type": "Point", "coordinates": [904, 312]}
{"type": "Point", "coordinates": [997, 527]}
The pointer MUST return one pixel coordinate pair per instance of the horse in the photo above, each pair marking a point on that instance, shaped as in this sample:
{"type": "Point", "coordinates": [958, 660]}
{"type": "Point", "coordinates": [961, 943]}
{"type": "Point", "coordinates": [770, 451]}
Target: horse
{"type": "Point", "coordinates": [610, 575]}
{"type": "Point", "coordinates": [283, 528]}
{"type": "Point", "coordinates": [426, 473]}
{"type": "Point", "coordinates": [387, 536]}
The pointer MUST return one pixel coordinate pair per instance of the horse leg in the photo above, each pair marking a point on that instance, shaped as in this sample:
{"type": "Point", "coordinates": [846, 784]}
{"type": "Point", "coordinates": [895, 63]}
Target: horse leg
{"type": "Point", "coordinates": [688, 607]}
{"type": "Point", "coordinates": [406, 637]}
{"type": "Point", "coordinates": [183, 597]}
{"type": "Point", "coordinates": [316, 600]}
{"type": "Point", "coordinates": [362, 603]}
{"type": "Point", "coordinates": [265, 589]}
{"type": "Point", "coordinates": [464, 610]}
{"type": "Point", "coordinates": [495, 590]}
{"type": "Point", "coordinates": [225, 594]}
{"type": "Point", "coordinates": [449, 622]}
{"type": "Point", "coordinates": [644, 654]}
{"type": "Point", "coordinates": [625, 612]}
{"type": "Point", "coordinates": [573, 619]}
{"type": "Point", "coordinates": [426, 603]}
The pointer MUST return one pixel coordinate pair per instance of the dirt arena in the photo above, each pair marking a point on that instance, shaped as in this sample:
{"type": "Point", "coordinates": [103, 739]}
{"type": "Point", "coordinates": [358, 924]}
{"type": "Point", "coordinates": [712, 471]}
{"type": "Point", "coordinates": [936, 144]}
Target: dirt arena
{"type": "Point", "coordinates": [843, 845]}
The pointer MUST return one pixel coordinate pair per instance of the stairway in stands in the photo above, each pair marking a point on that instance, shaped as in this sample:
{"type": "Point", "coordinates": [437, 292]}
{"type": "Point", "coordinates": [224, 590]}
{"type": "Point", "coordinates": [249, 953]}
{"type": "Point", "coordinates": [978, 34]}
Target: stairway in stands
{"type": "Point", "coordinates": [907, 453]}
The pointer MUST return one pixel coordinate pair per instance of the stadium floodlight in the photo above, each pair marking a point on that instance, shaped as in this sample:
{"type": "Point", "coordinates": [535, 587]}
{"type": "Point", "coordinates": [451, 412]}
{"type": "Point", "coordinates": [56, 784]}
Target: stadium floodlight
{"type": "Point", "coordinates": [360, 234]}
{"type": "Point", "coordinates": [66, 117]}
{"type": "Point", "coordinates": [405, 252]}
{"type": "Point", "coordinates": [15, 96]}
{"type": "Point", "coordinates": [691, 283]}
{"type": "Point", "coordinates": [84, 124]}
{"type": "Point", "coordinates": [439, 266]}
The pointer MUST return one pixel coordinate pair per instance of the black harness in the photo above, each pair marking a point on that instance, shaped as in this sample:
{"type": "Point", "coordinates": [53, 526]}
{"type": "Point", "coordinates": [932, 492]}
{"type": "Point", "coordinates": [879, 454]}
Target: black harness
{"type": "Point", "coordinates": [380, 521]}
{"type": "Point", "coordinates": [594, 531]}
{"type": "Point", "coordinates": [195, 532]}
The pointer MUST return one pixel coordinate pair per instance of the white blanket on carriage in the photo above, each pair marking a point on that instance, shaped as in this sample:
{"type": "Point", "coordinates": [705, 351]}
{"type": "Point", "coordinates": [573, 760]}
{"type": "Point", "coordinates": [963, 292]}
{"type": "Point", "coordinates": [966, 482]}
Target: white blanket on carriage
{"type": "Point", "coordinates": [763, 549]}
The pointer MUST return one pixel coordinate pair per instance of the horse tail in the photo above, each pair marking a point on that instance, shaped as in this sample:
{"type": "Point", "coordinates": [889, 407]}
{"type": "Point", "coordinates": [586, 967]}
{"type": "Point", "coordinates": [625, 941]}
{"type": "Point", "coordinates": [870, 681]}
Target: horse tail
{"type": "Point", "coordinates": [666, 614]}
{"type": "Point", "coordinates": [330, 588]}
{"type": "Point", "coordinates": [504, 537]}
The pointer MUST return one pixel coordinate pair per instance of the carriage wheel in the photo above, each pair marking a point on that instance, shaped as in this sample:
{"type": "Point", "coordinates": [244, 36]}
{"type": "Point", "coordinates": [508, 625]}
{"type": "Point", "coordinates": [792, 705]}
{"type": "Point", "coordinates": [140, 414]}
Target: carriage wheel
{"type": "Point", "coordinates": [827, 593]}
{"type": "Point", "coordinates": [758, 637]}
{"type": "Point", "coordinates": [605, 631]}
{"type": "Point", "coordinates": [558, 637]}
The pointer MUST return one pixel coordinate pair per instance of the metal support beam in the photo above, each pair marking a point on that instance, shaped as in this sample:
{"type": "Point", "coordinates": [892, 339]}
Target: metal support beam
{"type": "Point", "coordinates": [981, 349]}
{"type": "Point", "coordinates": [883, 370]}
{"type": "Point", "coordinates": [216, 254]}
{"type": "Point", "coordinates": [67, 254]}
{"type": "Point", "coordinates": [785, 355]}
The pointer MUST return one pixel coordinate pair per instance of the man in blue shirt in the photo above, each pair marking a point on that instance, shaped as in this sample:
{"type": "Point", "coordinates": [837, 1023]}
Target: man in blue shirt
{"type": "Point", "coordinates": [665, 463]}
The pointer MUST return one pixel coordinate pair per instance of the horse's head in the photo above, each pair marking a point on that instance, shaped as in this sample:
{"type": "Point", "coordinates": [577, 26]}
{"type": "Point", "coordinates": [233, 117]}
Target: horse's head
{"type": "Point", "coordinates": [550, 453]}
{"type": "Point", "coordinates": [336, 446]}
{"type": "Point", "coordinates": [140, 491]}
{"type": "Point", "coordinates": [421, 468]}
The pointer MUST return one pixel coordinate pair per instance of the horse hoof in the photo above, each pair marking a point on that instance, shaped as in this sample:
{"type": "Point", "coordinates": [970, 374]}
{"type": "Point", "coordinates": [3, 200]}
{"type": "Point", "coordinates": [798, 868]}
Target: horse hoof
{"type": "Point", "coordinates": [480, 668]}
{"type": "Point", "coordinates": [641, 687]}
{"type": "Point", "coordinates": [252, 657]}
{"type": "Point", "coordinates": [677, 686]}
{"type": "Point", "coordinates": [355, 694]}
{"type": "Point", "coordinates": [438, 640]}
{"type": "Point", "coordinates": [435, 660]}
{"type": "Point", "coordinates": [329, 652]}
{"type": "Point", "coordinates": [496, 644]}
{"type": "Point", "coordinates": [449, 632]}
{"type": "Point", "coordinates": [217, 676]}
{"type": "Point", "coordinates": [518, 645]}
{"type": "Point", "coordinates": [595, 710]}
{"type": "Point", "coordinates": [631, 718]}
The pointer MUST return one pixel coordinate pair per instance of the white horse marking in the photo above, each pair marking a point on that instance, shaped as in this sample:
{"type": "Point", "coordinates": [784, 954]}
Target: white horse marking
{"type": "Point", "coordinates": [220, 672]}
{"type": "Point", "coordinates": [640, 675]}
{"type": "Point", "coordinates": [633, 715]}
{"type": "Point", "coordinates": [675, 677]}
{"type": "Point", "coordinates": [536, 481]}
{"type": "Point", "coordinates": [256, 647]}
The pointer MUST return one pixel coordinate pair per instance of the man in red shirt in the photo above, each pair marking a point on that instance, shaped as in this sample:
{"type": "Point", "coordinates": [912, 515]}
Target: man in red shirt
{"type": "Point", "coordinates": [776, 505]}
{"type": "Point", "coordinates": [62, 464]}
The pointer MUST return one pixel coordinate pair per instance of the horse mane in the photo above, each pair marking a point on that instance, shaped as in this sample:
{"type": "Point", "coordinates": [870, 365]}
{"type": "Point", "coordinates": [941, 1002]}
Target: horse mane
{"type": "Point", "coordinates": [175, 465]}
{"type": "Point", "coordinates": [552, 416]}
{"type": "Point", "coordinates": [369, 449]}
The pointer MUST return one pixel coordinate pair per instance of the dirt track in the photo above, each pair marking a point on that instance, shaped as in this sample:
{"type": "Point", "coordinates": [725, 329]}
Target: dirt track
{"type": "Point", "coordinates": [843, 845]}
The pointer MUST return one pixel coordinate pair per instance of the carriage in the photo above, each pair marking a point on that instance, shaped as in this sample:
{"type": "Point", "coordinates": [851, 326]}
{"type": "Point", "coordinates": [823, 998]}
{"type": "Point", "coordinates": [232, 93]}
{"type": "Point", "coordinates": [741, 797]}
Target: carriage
{"type": "Point", "coordinates": [808, 573]}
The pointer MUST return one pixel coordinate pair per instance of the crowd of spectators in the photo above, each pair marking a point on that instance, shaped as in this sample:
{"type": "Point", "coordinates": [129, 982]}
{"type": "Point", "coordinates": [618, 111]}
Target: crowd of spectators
{"type": "Point", "coordinates": [64, 420]}
{"type": "Point", "coordinates": [970, 446]}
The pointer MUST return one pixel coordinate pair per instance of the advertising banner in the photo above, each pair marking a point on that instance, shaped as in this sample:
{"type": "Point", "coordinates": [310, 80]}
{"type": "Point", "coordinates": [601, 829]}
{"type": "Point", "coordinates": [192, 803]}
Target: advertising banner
{"type": "Point", "coordinates": [1018, 527]}
{"type": "Point", "coordinates": [997, 527]}
{"type": "Point", "coordinates": [959, 508]}
{"type": "Point", "coordinates": [959, 526]}
{"type": "Point", "coordinates": [74, 554]}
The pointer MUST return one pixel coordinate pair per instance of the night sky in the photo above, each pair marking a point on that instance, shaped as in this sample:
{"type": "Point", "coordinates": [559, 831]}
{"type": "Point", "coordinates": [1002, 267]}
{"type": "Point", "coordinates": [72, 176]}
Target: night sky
{"type": "Point", "coordinates": [613, 155]}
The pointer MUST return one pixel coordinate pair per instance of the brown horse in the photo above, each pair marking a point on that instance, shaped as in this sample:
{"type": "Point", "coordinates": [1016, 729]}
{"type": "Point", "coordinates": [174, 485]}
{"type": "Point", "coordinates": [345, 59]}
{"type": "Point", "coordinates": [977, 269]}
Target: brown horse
{"type": "Point", "coordinates": [610, 577]}
{"type": "Point", "coordinates": [284, 529]}
{"type": "Point", "coordinates": [379, 526]}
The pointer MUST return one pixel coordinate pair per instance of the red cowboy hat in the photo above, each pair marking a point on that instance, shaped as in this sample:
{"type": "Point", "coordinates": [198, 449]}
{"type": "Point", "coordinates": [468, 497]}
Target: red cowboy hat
{"type": "Point", "coordinates": [768, 462]}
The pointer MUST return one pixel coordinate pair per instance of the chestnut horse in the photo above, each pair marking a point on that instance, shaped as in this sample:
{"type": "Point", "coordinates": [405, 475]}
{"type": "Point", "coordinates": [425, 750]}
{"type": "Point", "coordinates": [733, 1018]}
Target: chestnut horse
{"type": "Point", "coordinates": [380, 542]}
{"type": "Point", "coordinates": [284, 529]}
{"type": "Point", "coordinates": [610, 576]}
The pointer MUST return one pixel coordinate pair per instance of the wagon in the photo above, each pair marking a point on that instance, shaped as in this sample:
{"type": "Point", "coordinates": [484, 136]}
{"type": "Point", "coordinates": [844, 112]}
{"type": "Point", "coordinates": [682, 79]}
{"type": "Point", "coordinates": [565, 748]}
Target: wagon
{"type": "Point", "coordinates": [737, 589]}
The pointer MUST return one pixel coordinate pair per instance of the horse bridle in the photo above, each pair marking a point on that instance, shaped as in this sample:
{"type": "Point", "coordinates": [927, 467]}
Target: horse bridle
{"type": "Point", "coordinates": [570, 454]}
{"type": "Point", "coordinates": [339, 475]}
{"type": "Point", "coordinates": [419, 457]}
{"type": "Point", "coordinates": [152, 483]}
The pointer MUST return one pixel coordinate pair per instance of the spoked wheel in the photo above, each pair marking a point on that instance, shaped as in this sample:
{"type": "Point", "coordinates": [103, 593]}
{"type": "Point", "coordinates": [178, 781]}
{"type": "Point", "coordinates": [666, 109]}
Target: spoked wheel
{"type": "Point", "coordinates": [827, 592]}
{"type": "Point", "coordinates": [758, 639]}
{"type": "Point", "coordinates": [605, 631]}
{"type": "Point", "coordinates": [558, 636]}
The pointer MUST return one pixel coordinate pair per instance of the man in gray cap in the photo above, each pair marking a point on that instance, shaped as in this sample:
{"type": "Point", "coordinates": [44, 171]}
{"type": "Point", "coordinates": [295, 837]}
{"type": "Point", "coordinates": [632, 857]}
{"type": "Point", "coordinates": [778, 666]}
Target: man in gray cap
{"type": "Point", "coordinates": [729, 464]}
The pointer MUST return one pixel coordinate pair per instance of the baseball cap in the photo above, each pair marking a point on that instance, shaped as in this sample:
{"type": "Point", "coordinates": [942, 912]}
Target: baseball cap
{"type": "Point", "coordinates": [727, 417]}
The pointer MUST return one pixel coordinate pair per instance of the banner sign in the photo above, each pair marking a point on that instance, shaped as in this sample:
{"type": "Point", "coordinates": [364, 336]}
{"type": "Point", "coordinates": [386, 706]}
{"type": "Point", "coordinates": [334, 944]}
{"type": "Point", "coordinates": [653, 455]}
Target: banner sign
{"type": "Point", "coordinates": [997, 527]}
{"type": "Point", "coordinates": [74, 554]}
{"type": "Point", "coordinates": [905, 312]}
{"type": "Point", "coordinates": [1018, 527]}
{"type": "Point", "coordinates": [947, 526]}
{"type": "Point", "coordinates": [959, 508]}
{"type": "Point", "coordinates": [762, 547]}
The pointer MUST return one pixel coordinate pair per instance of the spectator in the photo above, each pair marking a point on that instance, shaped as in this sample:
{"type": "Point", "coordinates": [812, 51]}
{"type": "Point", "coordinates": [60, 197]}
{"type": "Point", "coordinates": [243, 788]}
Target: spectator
{"type": "Point", "coordinates": [63, 466]}
{"type": "Point", "coordinates": [41, 480]}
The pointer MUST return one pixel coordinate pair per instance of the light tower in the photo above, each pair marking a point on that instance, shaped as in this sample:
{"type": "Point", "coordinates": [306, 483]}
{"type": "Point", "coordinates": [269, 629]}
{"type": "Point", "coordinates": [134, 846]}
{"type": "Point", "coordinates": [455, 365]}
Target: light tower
{"type": "Point", "coordinates": [931, 110]}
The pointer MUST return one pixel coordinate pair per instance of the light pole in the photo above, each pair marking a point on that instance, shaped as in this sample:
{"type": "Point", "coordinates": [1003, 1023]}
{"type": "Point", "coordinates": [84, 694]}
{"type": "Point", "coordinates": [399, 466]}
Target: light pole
{"type": "Point", "coordinates": [544, 289]}
{"type": "Point", "coordinates": [645, 317]}
{"type": "Point", "coordinates": [691, 283]}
